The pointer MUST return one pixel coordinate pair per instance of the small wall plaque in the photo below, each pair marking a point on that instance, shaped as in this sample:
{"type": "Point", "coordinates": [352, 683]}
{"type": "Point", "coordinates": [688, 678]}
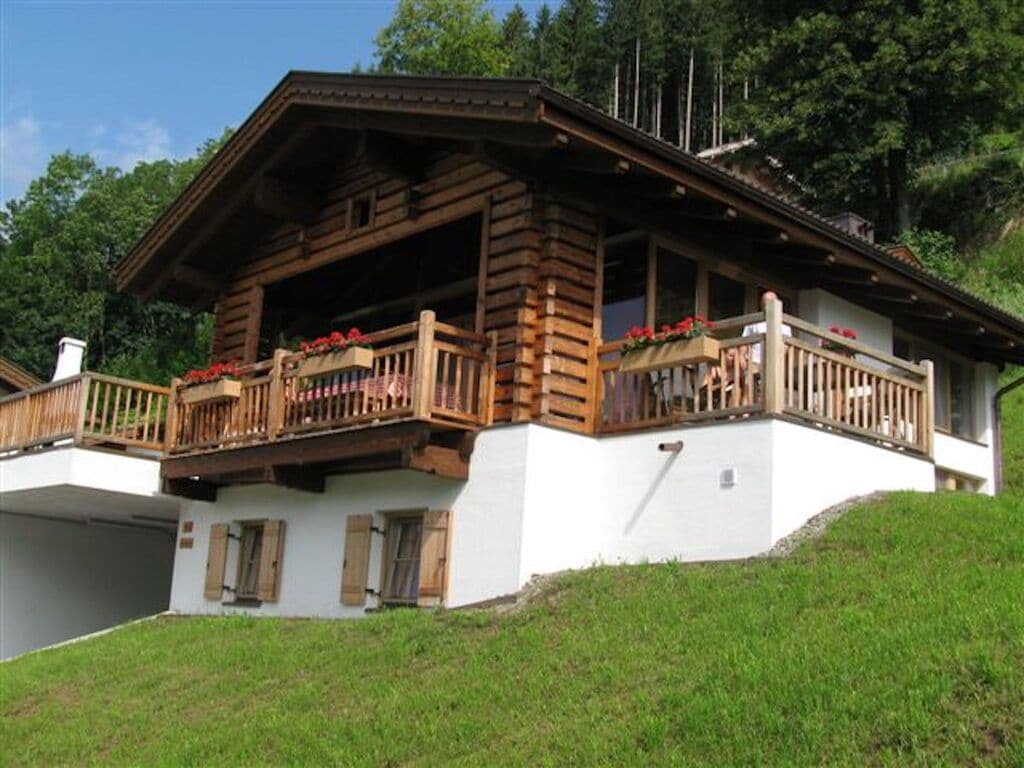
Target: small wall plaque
{"type": "Point", "coordinates": [186, 543]}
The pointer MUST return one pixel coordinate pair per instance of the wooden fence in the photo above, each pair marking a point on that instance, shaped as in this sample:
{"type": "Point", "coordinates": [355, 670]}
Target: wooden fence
{"type": "Point", "coordinates": [87, 409]}
{"type": "Point", "coordinates": [777, 364]}
{"type": "Point", "coordinates": [422, 370]}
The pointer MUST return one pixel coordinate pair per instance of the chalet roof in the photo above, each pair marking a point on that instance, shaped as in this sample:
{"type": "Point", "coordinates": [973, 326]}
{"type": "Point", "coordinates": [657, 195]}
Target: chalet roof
{"type": "Point", "coordinates": [15, 376]}
{"type": "Point", "coordinates": [528, 123]}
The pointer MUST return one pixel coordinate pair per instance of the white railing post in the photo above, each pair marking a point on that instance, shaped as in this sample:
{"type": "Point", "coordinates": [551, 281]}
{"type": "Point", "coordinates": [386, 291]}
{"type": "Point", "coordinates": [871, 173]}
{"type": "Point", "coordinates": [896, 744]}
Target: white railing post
{"type": "Point", "coordinates": [774, 355]}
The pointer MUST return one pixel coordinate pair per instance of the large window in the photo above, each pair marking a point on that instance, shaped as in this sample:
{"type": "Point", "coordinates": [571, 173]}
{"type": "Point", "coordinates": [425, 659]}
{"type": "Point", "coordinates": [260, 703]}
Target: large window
{"type": "Point", "coordinates": [436, 269]}
{"type": "Point", "coordinates": [625, 287]}
{"type": "Point", "coordinates": [675, 287]}
{"type": "Point", "coordinates": [954, 385]}
{"type": "Point", "coordinates": [726, 297]}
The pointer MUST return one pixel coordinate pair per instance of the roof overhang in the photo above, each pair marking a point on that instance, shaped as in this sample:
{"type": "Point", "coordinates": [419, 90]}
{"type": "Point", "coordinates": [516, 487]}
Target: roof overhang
{"type": "Point", "coordinates": [517, 119]}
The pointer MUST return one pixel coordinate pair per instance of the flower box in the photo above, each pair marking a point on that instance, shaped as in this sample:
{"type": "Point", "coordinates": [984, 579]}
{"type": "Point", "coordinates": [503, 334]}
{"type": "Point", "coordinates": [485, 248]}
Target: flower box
{"type": "Point", "coordinates": [213, 391]}
{"type": "Point", "coordinates": [331, 363]}
{"type": "Point", "coordinates": [700, 349]}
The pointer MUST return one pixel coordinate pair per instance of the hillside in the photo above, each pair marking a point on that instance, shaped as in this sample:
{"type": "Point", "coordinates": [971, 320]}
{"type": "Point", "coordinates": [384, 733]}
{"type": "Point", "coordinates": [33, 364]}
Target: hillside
{"type": "Point", "coordinates": [896, 637]}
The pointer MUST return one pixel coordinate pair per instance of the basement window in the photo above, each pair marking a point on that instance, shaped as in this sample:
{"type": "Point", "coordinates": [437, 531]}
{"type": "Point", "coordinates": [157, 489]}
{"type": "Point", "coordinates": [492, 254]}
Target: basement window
{"type": "Point", "coordinates": [402, 560]}
{"type": "Point", "coordinates": [249, 561]}
{"type": "Point", "coordinates": [361, 212]}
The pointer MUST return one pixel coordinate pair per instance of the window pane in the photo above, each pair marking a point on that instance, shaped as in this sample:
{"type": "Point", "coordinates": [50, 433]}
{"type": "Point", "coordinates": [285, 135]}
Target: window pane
{"type": "Point", "coordinates": [961, 402]}
{"type": "Point", "coordinates": [252, 546]}
{"type": "Point", "coordinates": [404, 571]}
{"type": "Point", "coordinates": [726, 297]}
{"type": "Point", "coordinates": [676, 288]}
{"type": "Point", "coordinates": [625, 288]}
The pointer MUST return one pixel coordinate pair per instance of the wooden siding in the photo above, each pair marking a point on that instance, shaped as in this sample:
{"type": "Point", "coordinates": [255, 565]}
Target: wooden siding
{"type": "Point", "coordinates": [513, 246]}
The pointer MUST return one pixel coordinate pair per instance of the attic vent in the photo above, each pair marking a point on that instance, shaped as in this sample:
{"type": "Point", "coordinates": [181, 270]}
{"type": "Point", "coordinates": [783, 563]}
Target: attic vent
{"type": "Point", "coordinates": [848, 221]}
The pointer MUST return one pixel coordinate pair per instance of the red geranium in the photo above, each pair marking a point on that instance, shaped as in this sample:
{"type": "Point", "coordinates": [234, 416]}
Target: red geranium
{"type": "Point", "coordinates": [838, 330]}
{"type": "Point", "coordinates": [215, 372]}
{"type": "Point", "coordinates": [335, 341]}
{"type": "Point", "coordinates": [688, 328]}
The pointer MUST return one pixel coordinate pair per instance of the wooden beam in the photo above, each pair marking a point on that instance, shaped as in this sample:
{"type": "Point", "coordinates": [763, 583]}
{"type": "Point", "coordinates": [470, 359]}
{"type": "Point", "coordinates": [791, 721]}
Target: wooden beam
{"type": "Point", "coordinates": [224, 211]}
{"type": "Point", "coordinates": [436, 460]}
{"type": "Point", "coordinates": [284, 202]}
{"type": "Point", "coordinates": [187, 488]}
{"type": "Point", "coordinates": [338, 446]}
{"type": "Point", "coordinates": [300, 478]}
{"type": "Point", "coordinates": [609, 165]}
{"type": "Point", "coordinates": [208, 282]}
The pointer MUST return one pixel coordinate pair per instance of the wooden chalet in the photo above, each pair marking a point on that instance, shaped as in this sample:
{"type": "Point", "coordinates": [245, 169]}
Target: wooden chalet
{"type": "Point", "coordinates": [495, 240]}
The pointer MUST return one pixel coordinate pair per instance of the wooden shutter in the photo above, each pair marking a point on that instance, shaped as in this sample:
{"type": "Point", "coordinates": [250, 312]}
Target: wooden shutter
{"type": "Point", "coordinates": [433, 558]}
{"type": "Point", "coordinates": [215, 562]}
{"type": "Point", "coordinates": [269, 579]}
{"type": "Point", "coordinates": [356, 565]}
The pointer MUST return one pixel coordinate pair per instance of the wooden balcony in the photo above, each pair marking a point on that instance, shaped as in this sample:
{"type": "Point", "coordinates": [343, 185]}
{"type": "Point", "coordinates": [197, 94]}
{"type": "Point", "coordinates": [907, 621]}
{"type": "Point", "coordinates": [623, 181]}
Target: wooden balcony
{"type": "Point", "coordinates": [90, 409]}
{"type": "Point", "coordinates": [808, 374]}
{"type": "Point", "coordinates": [431, 385]}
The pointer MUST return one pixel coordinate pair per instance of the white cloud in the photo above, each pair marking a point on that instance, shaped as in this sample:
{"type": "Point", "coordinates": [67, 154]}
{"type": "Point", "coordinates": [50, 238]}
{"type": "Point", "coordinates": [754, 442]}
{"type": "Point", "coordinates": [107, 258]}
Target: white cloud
{"type": "Point", "coordinates": [21, 154]}
{"type": "Point", "coordinates": [138, 141]}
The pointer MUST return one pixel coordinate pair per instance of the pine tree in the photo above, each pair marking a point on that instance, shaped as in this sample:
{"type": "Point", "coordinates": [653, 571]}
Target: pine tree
{"type": "Point", "coordinates": [517, 40]}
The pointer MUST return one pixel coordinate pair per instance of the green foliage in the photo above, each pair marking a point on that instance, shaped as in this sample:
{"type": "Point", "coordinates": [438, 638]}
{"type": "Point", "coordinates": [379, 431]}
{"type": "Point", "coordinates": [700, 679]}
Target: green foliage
{"type": "Point", "coordinates": [578, 62]}
{"type": "Point", "coordinates": [59, 244]}
{"type": "Point", "coordinates": [895, 639]}
{"type": "Point", "coordinates": [974, 196]}
{"type": "Point", "coordinates": [854, 98]}
{"type": "Point", "coordinates": [995, 273]}
{"type": "Point", "coordinates": [1013, 434]}
{"type": "Point", "coordinates": [442, 37]}
{"type": "Point", "coordinates": [516, 40]}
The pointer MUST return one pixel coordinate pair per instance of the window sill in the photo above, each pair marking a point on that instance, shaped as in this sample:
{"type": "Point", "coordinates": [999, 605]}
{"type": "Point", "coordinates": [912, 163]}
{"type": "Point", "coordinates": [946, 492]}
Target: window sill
{"type": "Point", "coordinates": [243, 602]}
{"type": "Point", "coordinates": [971, 440]}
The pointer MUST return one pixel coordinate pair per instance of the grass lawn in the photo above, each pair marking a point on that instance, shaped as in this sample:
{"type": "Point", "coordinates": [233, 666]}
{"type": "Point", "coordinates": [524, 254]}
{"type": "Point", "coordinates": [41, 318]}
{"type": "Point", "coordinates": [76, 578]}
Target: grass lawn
{"type": "Point", "coordinates": [897, 638]}
{"type": "Point", "coordinates": [1013, 433]}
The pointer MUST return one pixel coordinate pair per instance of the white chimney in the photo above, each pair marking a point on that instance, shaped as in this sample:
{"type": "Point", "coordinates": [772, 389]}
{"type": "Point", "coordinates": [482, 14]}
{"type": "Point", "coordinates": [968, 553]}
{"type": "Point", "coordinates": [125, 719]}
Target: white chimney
{"type": "Point", "coordinates": [70, 353]}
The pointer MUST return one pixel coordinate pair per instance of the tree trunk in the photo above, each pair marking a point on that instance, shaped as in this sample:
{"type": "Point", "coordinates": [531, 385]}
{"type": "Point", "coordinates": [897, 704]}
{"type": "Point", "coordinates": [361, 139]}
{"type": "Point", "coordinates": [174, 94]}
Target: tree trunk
{"type": "Point", "coordinates": [899, 196]}
{"type": "Point", "coordinates": [615, 93]}
{"type": "Point", "coordinates": [636, 87]}
{"type": "Point", "coordinates": [689, 103]}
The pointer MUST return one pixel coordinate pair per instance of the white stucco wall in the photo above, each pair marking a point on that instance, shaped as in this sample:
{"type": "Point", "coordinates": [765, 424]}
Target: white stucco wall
{"type": "Point", "coordinates": [486, 531]}
{"type": "Point", "coordinates": [540, 500]}
{"type": "Point", "coordinates": [662, 506]}
{"type": "Point", "coordinates": [825, 309]}
{"type": "Point", "coordinates": [813, 469]}
{"type": "Point", "coordinates": [61, 579]}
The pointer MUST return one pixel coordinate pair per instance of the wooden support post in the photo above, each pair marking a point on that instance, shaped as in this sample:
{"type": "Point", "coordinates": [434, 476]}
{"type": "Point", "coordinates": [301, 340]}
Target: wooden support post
{"type": "Point", "coordinates": [774, 355]}
{"type": "Point", "coordinates": [424, 367]}
{"type": "Point", "coordinates": [927, 436]}
{"type": "Point", "coordinates": [82, 407]}
{"type": "Point", "coordinates": [171, 422]}
{"type": "Point", "coordinates": [487, 410]}
{"type": "Point", "coordinates": [275, 404]}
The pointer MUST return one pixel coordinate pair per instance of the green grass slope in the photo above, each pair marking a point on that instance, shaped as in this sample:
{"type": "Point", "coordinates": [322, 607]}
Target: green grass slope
{"type": "Point", "coordinates": [897, 637]}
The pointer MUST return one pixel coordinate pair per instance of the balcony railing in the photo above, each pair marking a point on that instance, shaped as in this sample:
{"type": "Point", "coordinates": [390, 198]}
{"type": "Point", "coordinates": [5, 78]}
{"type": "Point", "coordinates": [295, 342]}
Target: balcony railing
{"type": "Point", "coordinates": [88, 409]}
{"type": "Point", "coordinates": [432, 372]}
{"type": "Point", "coordinates": [806, 373]}
{"type": "Point", "coordinates": [425, 370]}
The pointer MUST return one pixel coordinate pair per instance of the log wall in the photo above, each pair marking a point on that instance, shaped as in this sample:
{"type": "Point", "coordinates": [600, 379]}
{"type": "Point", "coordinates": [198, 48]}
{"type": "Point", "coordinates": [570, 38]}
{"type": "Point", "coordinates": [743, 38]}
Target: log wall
{"type": "Point", "coordinates": [539, 275]}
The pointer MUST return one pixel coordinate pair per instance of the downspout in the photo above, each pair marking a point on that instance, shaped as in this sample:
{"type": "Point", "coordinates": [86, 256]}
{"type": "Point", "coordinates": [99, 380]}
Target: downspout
{"type": "Point", "coordinates": [997, 428]}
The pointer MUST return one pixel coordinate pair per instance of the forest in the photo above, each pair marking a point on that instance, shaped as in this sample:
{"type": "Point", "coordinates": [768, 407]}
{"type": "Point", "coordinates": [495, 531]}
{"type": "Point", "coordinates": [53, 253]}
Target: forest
{"type": "Point", "coordinates": [908, 113]}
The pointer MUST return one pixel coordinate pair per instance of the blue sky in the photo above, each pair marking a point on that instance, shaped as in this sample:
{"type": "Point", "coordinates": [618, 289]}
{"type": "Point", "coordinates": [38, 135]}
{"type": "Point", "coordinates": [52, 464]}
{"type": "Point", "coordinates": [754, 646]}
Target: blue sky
{"type": "Point", "coordinates": [134, 81]}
